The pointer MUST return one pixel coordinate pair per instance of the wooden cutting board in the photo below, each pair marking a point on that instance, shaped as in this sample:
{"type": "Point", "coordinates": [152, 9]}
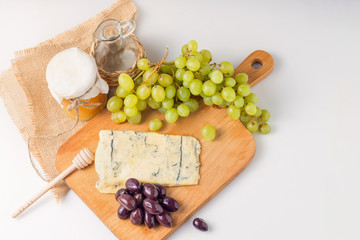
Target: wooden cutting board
{"type": "Point", "coordinates": [221, 160]}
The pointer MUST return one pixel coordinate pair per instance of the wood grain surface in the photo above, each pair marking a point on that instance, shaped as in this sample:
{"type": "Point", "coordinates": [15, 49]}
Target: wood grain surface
{"type": "Point", "coordinates": [221, 160]}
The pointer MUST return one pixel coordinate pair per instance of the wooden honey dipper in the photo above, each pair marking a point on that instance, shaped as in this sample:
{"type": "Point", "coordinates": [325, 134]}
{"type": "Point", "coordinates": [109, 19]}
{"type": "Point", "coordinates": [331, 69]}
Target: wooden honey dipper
{"type": "Point", "coordinates": [81, 160]}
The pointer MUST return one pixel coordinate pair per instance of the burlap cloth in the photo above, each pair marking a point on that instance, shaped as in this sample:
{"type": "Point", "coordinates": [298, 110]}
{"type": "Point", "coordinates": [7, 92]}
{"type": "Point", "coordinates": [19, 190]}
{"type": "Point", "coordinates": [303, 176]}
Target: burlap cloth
{"type": "Point", "coordinates": [27, 98]}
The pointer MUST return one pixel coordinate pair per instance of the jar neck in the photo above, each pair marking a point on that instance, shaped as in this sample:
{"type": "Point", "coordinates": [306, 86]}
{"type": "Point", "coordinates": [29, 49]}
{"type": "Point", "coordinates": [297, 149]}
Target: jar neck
{"type": "Point", "coordinates": [113, 45]}
{"type": "Point", "coordinates": [109, 34]}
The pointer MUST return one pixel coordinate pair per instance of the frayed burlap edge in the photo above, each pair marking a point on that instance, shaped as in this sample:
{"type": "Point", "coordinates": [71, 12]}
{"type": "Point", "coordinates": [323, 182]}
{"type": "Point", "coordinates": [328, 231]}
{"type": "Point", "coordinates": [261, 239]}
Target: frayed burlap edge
{"type": "Point", "coordinates": [25, 121]}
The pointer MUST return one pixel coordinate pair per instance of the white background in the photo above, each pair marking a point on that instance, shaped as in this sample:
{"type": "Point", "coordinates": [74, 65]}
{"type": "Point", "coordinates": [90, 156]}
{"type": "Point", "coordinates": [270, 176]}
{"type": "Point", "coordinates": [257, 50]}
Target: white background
{"type": "Point", "coordinates": [303, 182]}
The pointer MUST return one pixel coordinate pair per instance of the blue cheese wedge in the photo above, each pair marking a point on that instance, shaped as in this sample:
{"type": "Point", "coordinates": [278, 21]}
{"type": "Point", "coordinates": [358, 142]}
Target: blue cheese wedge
{"type": "Point", "coordinates": [169, 160]}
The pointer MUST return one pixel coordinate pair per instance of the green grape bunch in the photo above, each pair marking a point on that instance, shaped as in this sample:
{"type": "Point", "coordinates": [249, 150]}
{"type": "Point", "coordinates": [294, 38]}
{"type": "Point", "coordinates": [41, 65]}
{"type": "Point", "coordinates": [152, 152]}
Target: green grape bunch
{"type": "Point", "coordinates": [173, 88]}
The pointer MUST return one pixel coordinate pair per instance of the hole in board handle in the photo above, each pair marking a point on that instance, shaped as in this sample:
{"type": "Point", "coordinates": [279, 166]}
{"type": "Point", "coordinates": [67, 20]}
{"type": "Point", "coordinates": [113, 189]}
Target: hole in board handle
{"type": "Point", "coordinates": [257, 64]}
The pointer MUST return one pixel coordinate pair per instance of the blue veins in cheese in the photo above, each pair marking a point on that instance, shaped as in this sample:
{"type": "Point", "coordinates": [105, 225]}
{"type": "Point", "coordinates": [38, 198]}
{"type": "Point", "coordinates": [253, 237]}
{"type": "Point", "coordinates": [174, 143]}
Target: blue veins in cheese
{"type": "Point", "coordinates": [168, 160]}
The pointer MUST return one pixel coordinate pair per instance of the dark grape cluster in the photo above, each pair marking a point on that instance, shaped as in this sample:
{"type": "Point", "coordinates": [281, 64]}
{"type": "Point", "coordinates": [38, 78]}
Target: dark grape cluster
{"type": "Point", "coordinates": [145, 203]}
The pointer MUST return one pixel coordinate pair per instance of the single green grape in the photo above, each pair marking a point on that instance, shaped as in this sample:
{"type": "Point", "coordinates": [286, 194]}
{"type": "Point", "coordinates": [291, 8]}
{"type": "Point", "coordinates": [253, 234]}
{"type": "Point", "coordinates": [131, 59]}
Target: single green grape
{"type": "Point", "coordinates": [209, 88]}
{"type": "Point", "coordinates": [219, 87]}
{"type": "Point", "coordinates": [265, 128]}
{"type": "Point", "coordinates": [179, 74]}
{"type": "Point", "coordinates": [192, 45]}
{"type": "Point", "coordinates": [185, 50]}
{"type": "Point", "coordinates": [114, 104]}
{"type": "Point", "coordinates": [135, 119]}
{"type": "Point", "coordinates": [183, 94]}
{"type": "Point", "coordinates": [167, 69]}
{"type": "Point", "coordinates": [226, 67]}
{"type": "Point", "coordinates": [251, 98]}
{"type": "Point", "coordinates": [229, 74]}
{"type": "Point", "coordinates": [183, 110]}
{"type": "Point", "coordinates": [153, 104]}
{"type": "Point", "coordinates": [143, 91]}
{"type": "Point", "coordinates": [258, 112]}
{"type": "Point", "coordinates": [244, 117]}
{"type": "Point", "coordinates": [230, 82]}
{"type": "Point", "coordinates": [192, 104]}
{"type": "Point", "coordinates": [228, 94]}
{"type": "Point", "coordinates": [141, 105]}
{"type": "Point", "coordinates": [155, 124]}
{"type": "Point", "coordinates": [151, 76]}
{"type": "Point", "coordinates": [167, 103]}
{"type": "Point", "coordinates": [217, 99]}
{"type": "Point", "coordinates": [210, 73]}
{"type": "Point", "coordinates": [223, 105]}
{"type": "Point", "coordinates": [196, 87]}
{"type": "Point", "coordinates": [252, 126]}
{"type": "Point", "coordinates": [170, 91]}
{"type": "Point", "coordinates": [198, 56]}
{"type": "Point", "coordinates": [208, 101]}
{"type": "Point", "coordinates": [126, 82]}
{"type": "Point", "coordinates": [243, 90]}
{"type": "Point", "coordinates": [205, 69]}
{"type": "Point", "coordinates": [158, 93]}
{"type": "Point", "coordinates": [180, 62]}
{"type": "Point", "coordinates": [165, 80]}
{"type": "Point", "coordinates": [239, 101]}
{"type": "Point", "coordinates": [241, 78]}
{"type": "Point", "coordinates": [171, 115]}
{"type": "Point", "coordinates": [193, 64]}
{"type": "Point", "coordinates": [265, 115]}
{"type": "Point", "coordinates": [118, 117]}
{"type": "Point", "coordinates": [120, 92]}
{"type": "Point", "coordinates": [188, 76]}
{"type": "Point", "coordinates": [216, 76]}
{"type": "Point", "coordinates": [234, 112]}
{"type": "Point", "coordinates": [197, 75]}
{"type": "Point", "coordinates": [206, 55]}
{"type": "Point", "coordinates": [162, 110]}
{"type": "Point", "coordinates": [143, 64]}
{"type": "Point", "coordinates": [250, 109]}
{"type": "Point", "coordinates": [186, 84]}
{"type": "Point", "coordinates": [208, 132]}
{"type": "Point", "coordinates": [130, 111]}
{"type": "Point", "coordinates": [130, 100]}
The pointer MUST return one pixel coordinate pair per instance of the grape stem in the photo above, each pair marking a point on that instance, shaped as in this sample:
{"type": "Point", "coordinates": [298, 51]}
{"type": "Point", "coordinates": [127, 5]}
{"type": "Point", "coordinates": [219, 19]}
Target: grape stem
{"type": "Point", "coordinates": [141, 73]}
{"type": "Point", "coordinates": [188, 55]}
{"type": "Point", "coordinates": [257, 120]}
{"type": "Point", "coordinates": [157, 66]}
{"type": "Point", "coordinates": [213, 65]}
{"type": "Point", "coordinates": [177, 84]}
{"type": "Point", "coordinates": [172, 70]}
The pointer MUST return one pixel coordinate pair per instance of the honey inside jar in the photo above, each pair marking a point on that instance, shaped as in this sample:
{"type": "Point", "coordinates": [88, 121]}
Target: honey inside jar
{"type": "Point", "coordinates": [84, 112]}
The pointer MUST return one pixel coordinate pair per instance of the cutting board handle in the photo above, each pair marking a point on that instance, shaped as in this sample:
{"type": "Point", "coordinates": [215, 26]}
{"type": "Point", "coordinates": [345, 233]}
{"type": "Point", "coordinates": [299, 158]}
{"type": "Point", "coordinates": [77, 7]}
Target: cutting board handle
{"type": "Point", "coordinates": [257, 65]}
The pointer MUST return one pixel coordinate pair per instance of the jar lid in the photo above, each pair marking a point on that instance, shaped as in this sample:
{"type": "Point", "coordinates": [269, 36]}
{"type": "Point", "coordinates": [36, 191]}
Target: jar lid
{"type": "Point", "coordinates": [71, 73]}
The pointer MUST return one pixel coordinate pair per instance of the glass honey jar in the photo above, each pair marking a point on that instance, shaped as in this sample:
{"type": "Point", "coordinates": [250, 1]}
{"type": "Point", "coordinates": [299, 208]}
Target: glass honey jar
{"type": "Point", "coordinates": [76, 85]}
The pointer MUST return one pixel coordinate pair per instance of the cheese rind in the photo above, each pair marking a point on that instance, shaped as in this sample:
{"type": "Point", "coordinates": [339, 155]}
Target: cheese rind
{"type": "Point", "coordinates": [149, 157]}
